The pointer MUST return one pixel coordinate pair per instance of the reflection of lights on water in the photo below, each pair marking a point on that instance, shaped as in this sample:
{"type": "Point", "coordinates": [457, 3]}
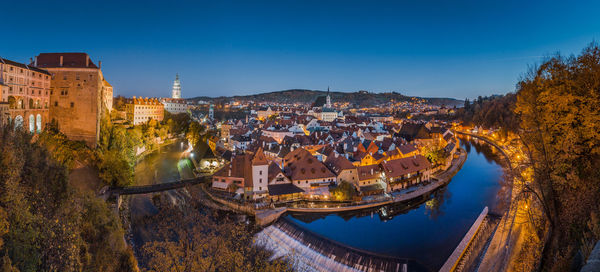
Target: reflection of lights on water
{"type": "Point", "coordinates": [431, 203]}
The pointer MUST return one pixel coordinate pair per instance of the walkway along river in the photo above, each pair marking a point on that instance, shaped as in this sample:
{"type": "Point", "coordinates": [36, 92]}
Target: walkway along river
{"type": "Point", "coordinates": [425, 230]}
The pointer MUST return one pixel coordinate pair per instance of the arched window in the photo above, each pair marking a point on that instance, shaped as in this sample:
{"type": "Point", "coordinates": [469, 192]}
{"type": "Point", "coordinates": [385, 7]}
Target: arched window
{"type": "Point", "coordinates": [38, 123]}
{"type": "Point", "coordinates": [31, 123]}
{"type": "Point", "coordinates": [31, 103]}
{"type": "Point", "coordinates": [18, 121]}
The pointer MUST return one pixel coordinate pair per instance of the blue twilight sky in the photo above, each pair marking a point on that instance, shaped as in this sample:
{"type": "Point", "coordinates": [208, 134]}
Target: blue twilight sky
{"type": "Point", "coordinates": [446, 48]}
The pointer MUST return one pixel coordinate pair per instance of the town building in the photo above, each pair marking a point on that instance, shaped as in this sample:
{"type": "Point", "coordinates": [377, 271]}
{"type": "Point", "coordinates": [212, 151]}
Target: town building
{"type": "Point", "coordinates": [343, 168]}
{"type": "Point", "coordinates": [308, 173]}
{"type": "Point", "coordinates": [280, 186]}
{"type": "Point", "coordinates": [107, 94]}
{"type": "Point", "coordinates": [78, 94]}
{"type": "Point", "coordinates": [175, 105]}
{"type": "Point", "coordinates": [26, 92]}
{"type": "Point", "coordinates": [141, 110]}
{"type": "Point", "coordinates": [405, 172]}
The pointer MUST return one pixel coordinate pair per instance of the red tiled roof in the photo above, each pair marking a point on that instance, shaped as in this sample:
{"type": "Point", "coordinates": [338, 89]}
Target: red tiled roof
{"type": "Point", "coordinates": [400, 167]}
{"type": "Point", "coordinates": [368, 172]}
{"type": "Point", "coordinates": [301, 165]}
{"type": "Point", "coordinates": [70, 60]}
{"type": "Point", "coordinates": [240, 167]}
{"type": "Point", "coordinates": [337, 163]}
{"type": "Point", "coordinates": [259, 158]}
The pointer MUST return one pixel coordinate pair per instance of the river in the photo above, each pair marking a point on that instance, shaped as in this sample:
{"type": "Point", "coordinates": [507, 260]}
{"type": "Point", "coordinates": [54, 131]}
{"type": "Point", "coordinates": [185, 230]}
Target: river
{"type": "Point", "coordinates": [164, 165]}
{"type": "Point", "coordinates": [426, 230]}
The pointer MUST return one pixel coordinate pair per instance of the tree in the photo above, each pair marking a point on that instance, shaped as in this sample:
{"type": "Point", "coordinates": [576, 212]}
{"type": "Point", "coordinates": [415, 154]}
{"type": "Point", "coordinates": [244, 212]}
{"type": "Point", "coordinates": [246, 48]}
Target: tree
{"type": "Point", "coordinates": [559, 108]}
{"type": "Point", "coordinates": [201, 243]}
{"type": "Point", "coordinates": [43, 218]}
{"type": "Point", "coordinates": [115, 169]}
{"type": "Point", "coordinates": [344, 191]}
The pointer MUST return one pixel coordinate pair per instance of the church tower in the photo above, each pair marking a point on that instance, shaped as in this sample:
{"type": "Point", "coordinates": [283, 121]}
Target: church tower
{"type": "Point", "coordinates": [328, 103]}
{"type": "Point", "coordinates": [176, 92]}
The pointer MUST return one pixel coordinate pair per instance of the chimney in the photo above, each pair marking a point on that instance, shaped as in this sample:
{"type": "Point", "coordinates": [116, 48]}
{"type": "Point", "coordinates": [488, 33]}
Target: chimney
{"type": "Point", "coordinates": [35, 64]}
{"type": "Point", "coordinates": [61, 61]}
{"type": "Point", "coordinates": [99, 64]}
{"type": "Point", "coordinates": [30, 60]}
{"type": "Point", "coordinates": [87, 60]}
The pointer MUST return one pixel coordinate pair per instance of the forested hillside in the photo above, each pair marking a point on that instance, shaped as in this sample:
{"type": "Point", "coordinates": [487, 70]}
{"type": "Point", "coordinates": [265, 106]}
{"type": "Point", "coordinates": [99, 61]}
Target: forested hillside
{"type": "Point", "coordinates": [360, 98]}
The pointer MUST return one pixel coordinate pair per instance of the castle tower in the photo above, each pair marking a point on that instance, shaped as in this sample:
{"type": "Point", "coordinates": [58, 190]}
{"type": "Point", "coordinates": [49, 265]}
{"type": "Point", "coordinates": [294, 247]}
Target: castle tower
{"type": "Point", "coordinates": [211, 112]}
{"type": "Point", "coordinates": [176, 92]}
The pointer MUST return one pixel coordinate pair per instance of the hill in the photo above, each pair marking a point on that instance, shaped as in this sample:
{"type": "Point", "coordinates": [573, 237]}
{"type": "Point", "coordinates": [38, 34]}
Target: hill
{"type": "Point", "coordinates": [360, 98]}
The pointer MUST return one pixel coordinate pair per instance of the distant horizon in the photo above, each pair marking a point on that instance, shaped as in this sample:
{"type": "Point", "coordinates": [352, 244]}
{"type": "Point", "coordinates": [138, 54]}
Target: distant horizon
{"type": "Point", "coordinates": [332, 91]}
{"type": "Point", "coordinates": [456, 49]}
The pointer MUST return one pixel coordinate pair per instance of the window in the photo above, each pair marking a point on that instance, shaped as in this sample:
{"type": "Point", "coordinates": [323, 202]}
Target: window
{"type": "Point", "coordinates": [76, 76]}
{"type": "Point", "coordinates": [259, 180]}
{"type": "Point", "coordinates": [72, 105]}
{"type": "Point", "coordinates": [260, 172]}
{"type": "Point", "coordinates": [260, 188]}
{"type": "Point", "coordinates": [64, 76]}
{"type": "Point", "coordinates": [56, 103]}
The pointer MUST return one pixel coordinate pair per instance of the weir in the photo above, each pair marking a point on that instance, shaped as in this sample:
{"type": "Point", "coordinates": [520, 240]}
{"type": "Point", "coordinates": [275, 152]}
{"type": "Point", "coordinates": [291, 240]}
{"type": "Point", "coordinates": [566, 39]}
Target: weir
{"type": "Point", "coordinates": [306, 248]}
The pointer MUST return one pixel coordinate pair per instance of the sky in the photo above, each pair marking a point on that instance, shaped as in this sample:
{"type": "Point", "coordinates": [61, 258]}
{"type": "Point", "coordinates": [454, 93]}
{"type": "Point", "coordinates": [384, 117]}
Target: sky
{"type": "Point", "coordinates": [444, 48]}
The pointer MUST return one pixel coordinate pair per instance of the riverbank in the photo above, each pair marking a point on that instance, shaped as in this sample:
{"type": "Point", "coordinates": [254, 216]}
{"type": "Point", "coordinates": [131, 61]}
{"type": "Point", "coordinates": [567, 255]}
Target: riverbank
{"type": "Point", "coordinates": [266, 215]}
{"type": "Point", "coordinates": [495, 255]}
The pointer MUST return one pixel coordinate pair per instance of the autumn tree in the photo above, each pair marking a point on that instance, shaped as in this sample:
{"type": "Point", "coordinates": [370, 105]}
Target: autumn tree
{"type": "Point", "coordinates": [559, 108]}
{"type": "Point", "coordinates": [45, 223]}
{"type": "Point", "coordinates": [203, 241]}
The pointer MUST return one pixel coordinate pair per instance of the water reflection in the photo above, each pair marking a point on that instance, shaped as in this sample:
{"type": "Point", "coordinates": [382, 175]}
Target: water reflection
{"type": "Point", "coordinates": [425, 229]}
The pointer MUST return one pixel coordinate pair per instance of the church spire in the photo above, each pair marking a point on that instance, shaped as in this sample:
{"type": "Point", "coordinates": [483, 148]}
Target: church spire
{"type": "Point", "coordinates": [328, 103]}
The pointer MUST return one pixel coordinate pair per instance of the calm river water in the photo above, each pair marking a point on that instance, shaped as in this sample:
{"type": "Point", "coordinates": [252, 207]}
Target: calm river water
{"type": "Point", "coordinates": [426, 230]}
